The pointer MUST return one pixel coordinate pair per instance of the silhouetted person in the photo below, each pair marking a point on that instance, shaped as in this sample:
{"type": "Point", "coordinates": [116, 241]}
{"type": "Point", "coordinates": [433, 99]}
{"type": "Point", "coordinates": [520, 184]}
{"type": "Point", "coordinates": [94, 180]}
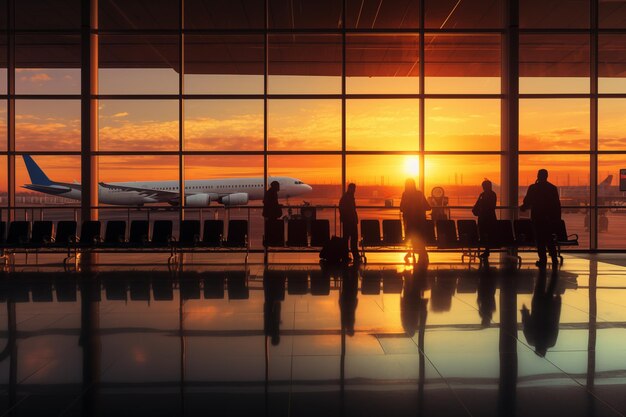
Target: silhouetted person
{"type": "Point", "coordinates": [541, 325]}
{"type": "Point", "coordinates": [485, 210]}
{"type": "Point", "coordinates": [272, 209]}
{"type": "Point", "coordinates": [413, 305]}
{"type": "Point", "coordinates": [350, 220]}
{"type": "Point", "coordinates": [414, 206]}
{"type": "Point", "coordinates": [542, 198]}
{"type": "Point", "coordinates": [486, 299]}
{"type": "Point", "coordinates": [348, 300]}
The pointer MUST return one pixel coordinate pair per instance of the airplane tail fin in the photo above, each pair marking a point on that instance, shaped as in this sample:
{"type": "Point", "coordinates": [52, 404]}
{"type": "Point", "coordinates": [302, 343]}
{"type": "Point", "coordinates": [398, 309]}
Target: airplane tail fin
{"type": "Point", "coordinates": [36, 174]}
{"type": "Point", "coordinates": [607, 181]}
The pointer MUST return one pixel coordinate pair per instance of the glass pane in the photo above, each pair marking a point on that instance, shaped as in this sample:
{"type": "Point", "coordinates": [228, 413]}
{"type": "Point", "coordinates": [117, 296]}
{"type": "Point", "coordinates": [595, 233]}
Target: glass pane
{"type": "Point", "coordinates": [612, 63]}
{"type": "Point", "coordinates": [59, 168]}
{"type": "Point", "coordinates": [462, 64]}
{"type": "Point", "coordinates": [554, 14]}
{"type": "Point", "coordinates": [380, 178]}
{"type": "Point", "coordinates": [297, 125]}
{"type": "Point", "coordinates": [382, 64]}
{"type": "Point", "coordinates": [611, 233]}
{"type": "Point", "coordinates": [452, 14]}
{"type": "Point", "coordinates": [137, 125]}
{"type": "Point", "coordinates": [553, 124]}
{"type": "Point", "coordinates": [47, 125]}
{"type": "Point", "coordinates": [138, 14]}
{"type": "Point", "coordinates": [47, 64]}
{"type": "Point", "coordinates": [224, 125]}
{"type": "Point", "coordinates": [321, 172]}
{"type": "Point", "coordinates": [460, 176]}
{"type": "Point", "coordinates": [4, 201]}
{"type": "Point", "coordinates": [3, 64]}
{"type": "Point", "coordinates": [612, 14]}
{"type": "Point", "coordinates": [232, 64]}
{"type": "Point", "coordinates": [305, 14]}
{"type": "Point", "coordinates": [138, 64]}
{"type": "Point", "coordinates": [139, 169]}
{"type": "Point", "coordinates": [304, 64]}
{"type": "Point", "coordinates": [224, 14]}
{"type": "Point", "coordinates": [554, 64]}
{"type": "Point", "coordinates": [568, 172]}
{"type": "Point", "coordinates": [3, 125]}
{"type": "Point", "coordinates": [57, 14]}
{"type": "Point", "coordinates": [374, 14]}
{"type": "Point", "coordinates": [382, 125]}
{"type": "Point", "coordinates": [462, 125]}
{"type": "Point", "coordinates": [612, 124]}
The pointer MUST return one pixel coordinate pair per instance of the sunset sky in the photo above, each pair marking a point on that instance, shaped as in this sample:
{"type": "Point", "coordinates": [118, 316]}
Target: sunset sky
{"type": "Point", "coordinates": [315, 125]}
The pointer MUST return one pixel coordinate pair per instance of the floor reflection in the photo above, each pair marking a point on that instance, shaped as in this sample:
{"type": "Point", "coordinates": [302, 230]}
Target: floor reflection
{"type": "Point", "coordinates": [310, 340]}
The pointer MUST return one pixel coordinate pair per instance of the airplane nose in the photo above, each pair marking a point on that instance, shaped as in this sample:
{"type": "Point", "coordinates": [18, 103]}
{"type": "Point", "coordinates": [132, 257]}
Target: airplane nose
{"type": "Point", "coordinates": [308, 187]}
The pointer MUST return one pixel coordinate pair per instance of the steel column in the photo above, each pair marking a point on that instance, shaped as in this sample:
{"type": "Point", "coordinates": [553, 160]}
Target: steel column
{"type": "Point", "coordinates": [593, 130]}
{"type": "Point", "coordinates": [10, 109]}
{"type": "Point", "coordinates": [89, 110]}
{"type": "Point", "coordinates": [509, 161]}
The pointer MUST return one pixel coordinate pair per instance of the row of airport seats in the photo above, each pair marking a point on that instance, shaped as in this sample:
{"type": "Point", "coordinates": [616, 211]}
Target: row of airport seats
{"type": "Point", "coordinates": [462, 234]}
{"type": "Point", "coordinates": [234, 285]}
{"type": "Point", "coordinates": [301, 233]}
{"type": "Point", "coordinates": [42, 235]}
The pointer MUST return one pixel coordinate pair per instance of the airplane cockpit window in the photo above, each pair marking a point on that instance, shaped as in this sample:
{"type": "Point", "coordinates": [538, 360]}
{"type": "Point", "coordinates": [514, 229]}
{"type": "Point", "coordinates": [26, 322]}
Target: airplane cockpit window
{"type": "Point", "coordinates": [298, 182]}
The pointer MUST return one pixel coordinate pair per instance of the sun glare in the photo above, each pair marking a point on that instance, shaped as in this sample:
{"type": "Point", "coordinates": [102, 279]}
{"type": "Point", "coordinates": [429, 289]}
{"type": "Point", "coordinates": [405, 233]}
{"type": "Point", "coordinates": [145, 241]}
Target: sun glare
{"type": "Point", "coordinates": [411, 166]}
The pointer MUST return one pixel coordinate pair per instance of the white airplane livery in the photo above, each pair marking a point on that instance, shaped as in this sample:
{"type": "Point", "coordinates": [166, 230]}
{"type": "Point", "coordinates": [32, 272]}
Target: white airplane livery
{"type": "Point", "coordinates": [198, 193]}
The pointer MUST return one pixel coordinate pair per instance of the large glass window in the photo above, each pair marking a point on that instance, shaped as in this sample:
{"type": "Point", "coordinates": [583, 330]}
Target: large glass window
{"type": "Point", "coordinates": [462, 64]}
{"type": "Point", "coordinates": [374, 14]}
{"type": "Point", "coordinates": [304, 14]}
{"type": "Point", "coordinates": [452, 14]}
{"type": "Point", "coordinates": [224, 125]}
{"type": "Point", "coordinates": [304, 64]}
{"type": "Point", "coordinates": [61, 168]}
{"type": "Point", "coordinates": [47, 125]}
{"type": "Point", "coordinates": [3, 125]}
{"type": "Point", "coordinates": [3, 64]}
{"type": "Point", "coordinates": [553, 124]}
{"type": "Point", "coordinates": [47, 64]}
{"type": "Point", "coordinates": [554, 63]}
{"type": "Point", "coordinates": [382, 64]}
{"type": "Point", "coordinates": [612, 124]}
{"type": "Point", "coordinates": [462, 125]}
{"type": "Point", "coordinates": [612, 63]}
{"type": "Point", "coordinates": [304, 125]}
{"type": "Point", "coordinates": [382, 125]}
{"type": "Point", "coordinates": [138, 64]}
{"type": "Point", "coordinates": [224, 14]}
{"type": "Point", "coordinates": [138, 125]}
{"type": "Point", "coordinates": [551, 14]}
{"type": "Point", "coordinates": [138, 14]}
{"type": "Point", "coordinates": [224, 64]}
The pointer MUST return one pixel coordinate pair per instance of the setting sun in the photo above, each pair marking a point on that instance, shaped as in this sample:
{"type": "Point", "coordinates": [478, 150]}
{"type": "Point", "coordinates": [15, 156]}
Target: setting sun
{"type": "Point", "coordinates": [412, 166]}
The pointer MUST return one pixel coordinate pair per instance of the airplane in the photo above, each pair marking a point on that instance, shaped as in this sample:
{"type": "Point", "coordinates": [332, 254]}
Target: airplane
{"type": "Point", "coordinates": [198, 193]}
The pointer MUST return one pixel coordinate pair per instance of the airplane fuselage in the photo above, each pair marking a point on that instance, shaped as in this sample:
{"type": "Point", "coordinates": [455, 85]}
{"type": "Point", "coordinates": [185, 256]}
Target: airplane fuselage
{"type": "Point", "coordinates": [118, 193]}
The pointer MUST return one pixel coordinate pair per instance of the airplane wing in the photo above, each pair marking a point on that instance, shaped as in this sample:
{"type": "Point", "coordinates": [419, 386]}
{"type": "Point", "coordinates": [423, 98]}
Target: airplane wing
{"type": "Point", "coordinates": [159, 195]}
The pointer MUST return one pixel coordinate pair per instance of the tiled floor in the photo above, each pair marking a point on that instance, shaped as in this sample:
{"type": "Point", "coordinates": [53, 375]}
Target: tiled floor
{"type": "Point", "coordinates": [296, 340]}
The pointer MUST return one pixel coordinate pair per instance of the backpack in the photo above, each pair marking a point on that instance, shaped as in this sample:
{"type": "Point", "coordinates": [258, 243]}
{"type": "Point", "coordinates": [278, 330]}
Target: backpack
{"type": "Point", "coordinates": [335, 250]}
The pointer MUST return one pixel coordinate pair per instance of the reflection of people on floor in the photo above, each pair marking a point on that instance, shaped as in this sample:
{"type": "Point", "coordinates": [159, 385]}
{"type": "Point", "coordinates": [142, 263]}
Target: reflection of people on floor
{"type": "Point", "coordinates": [413, 207]}
{"type": "Point", "coordinates": [542, 198]}
{"type": "Point", "coordinates": [413, 304]}
{"type": "Point", "coordinates": [485, 210]}
{"type": "Point", "coordinates": [274, 287]}
{"type": "Point", "coordinates": [442, 292]}
{"type": "Point", "coordinates": [541, 325]}
{"type": "Point", "coordinates": [486, 297]}
{"type": "Point", "coordinates": [348, 300]}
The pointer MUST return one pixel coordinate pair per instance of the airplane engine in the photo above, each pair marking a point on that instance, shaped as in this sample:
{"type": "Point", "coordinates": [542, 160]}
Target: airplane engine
{"type": "Point", "coordinates": [237, 199]}
{"type": "Point", "coordinates": [200, 200]}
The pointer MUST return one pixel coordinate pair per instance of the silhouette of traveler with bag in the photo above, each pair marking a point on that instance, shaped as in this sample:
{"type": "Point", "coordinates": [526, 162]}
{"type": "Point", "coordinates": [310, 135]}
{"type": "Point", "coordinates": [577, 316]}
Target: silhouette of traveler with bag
{"type": "Point", "coordinates": [272, 210]}
{"type": "Point", "coordinates": [348, 299]}
{"type": "Point", "coordinates": [541, 325]}
{"type": "Point", "coordinates": [350, 220]}
{"type": "Point", "coordinates": [485, 210]}
{"type": "Point", "coordinates": [542, 198]}
{"type": "Point", "coordinates": [414, 206]}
